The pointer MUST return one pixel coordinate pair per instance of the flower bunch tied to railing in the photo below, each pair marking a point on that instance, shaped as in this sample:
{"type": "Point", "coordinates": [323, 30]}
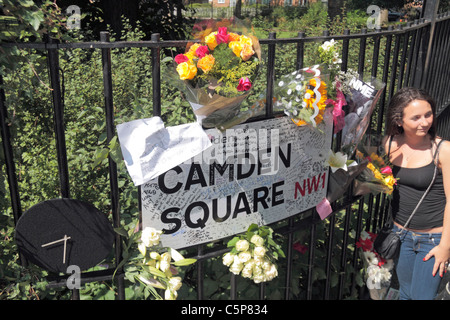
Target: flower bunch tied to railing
{"type": "Point", "coordinates": [302, 95]}
{"type": "Point", "coordinates": [378, 271]}
{"type": "Point", "coordinates": [217, 70]}
{"type": "Point", "coordinates": [253, 255]}
{"type": "Point", "coordinates": [352, 101]}
{"type": "Point", "coordinates": [147, 263]}
{"type": "Point", "coordinates": [376, 177]}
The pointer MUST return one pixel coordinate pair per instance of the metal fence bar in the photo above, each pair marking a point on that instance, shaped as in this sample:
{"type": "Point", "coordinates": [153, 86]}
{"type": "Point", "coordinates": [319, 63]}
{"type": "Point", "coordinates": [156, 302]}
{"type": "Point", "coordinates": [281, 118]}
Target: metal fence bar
{"type": "Point", "coordinates": [58, 119]}
{"type": "Point", "coordinates": [312, 249]}
{"type": "Point", "coordinates": [362, 54]}
{"type": "Point", "coordinates": [439, 64]}
{"type": "Point", "coordinates": [113, 178]}
{"type": "Point", "coordinates": [270, 75]}
{"type": "Point", "coordinates": [402, 69]}
{"type": "Point", "coordinates": [445, 65]}
{"type": "Point", "coordinates": [9, 163]}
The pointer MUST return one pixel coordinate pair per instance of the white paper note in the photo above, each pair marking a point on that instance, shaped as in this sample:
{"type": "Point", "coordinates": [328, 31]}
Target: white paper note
{"type": "Point", "coordinates": [149, 149]}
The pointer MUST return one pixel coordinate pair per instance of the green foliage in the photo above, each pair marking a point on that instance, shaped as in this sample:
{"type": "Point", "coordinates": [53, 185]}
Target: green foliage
{"type": "Point", "coordinates": [29, 103]}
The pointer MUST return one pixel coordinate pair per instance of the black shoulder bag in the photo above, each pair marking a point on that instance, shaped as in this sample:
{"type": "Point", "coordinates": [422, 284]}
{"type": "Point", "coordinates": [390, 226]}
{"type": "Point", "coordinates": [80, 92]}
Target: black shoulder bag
{"type": "Point", "coordinates": [387, 243]}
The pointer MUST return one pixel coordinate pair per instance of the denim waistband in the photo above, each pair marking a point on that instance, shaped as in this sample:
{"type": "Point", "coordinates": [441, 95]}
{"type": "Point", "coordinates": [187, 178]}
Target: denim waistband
{"type": "Point", "coordinates": [416, 233]}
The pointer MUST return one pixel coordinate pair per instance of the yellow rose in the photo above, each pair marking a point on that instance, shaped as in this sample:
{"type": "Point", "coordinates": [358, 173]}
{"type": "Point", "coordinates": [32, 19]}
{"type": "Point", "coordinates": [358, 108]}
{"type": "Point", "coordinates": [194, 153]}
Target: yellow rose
{"type": "Point", "coordinates": [210, 40]}
{"type": "Point", "coordinates": [190, 55]}
{"type": "Point", "coordinates": [377, 159]}
{"type": "Point", "coordinates": [233, 36]}
{"type": "Point", "coordinates": [371, 166]}
{"type": "Point", "coordinates": [247, 52]}
{"type": "Point", "coordinates": [236, 47]}
{"type": "Point", "coordinates": [187, 71]}
{"type": "Point", "coordinates": [206, 63]}
{"type": "Point", "coordinates": [246, 40]}
{"type": "Point", "coordinates": [193, 48]}
{"type": "Point", "coordinates": [390, 181]}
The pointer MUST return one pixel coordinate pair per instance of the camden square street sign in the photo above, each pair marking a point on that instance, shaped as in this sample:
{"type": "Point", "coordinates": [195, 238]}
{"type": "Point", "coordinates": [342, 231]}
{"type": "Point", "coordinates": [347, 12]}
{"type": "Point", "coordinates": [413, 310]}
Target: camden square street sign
{"type": "Point", "coordinates": [259, 172]}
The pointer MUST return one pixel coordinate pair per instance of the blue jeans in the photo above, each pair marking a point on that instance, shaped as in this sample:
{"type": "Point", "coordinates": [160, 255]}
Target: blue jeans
{"type": "Point", "coordinates": [415, 276]}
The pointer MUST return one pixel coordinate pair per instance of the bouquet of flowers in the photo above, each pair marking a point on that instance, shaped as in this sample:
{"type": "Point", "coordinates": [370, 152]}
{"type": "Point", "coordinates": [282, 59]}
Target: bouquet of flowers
{"type": "Point", "coordinates": [378, 270]}
{"type": "Point", "coordinates": [216, 73]}
{"type": "Point", "coordinates": [343, 172]}
{"type": "Point", "coordinates": [253, 254]}
{"type": "Point", "coordinates": [152, 266]}
{"type": "Point", "coordinates": [302, 95]}
{"type": "Point", "coordinates": [376, 177]}
{"type": "Point", "coordinates": [353, 102]}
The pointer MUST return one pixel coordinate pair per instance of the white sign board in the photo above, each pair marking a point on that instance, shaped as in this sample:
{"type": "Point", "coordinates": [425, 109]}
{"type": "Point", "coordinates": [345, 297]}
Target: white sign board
{"type": "Point", "coordinates": [260, 173]}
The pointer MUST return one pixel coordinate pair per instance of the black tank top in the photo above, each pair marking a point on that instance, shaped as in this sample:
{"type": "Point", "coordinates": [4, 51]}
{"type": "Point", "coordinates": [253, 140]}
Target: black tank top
{"type": "Point", "coordinates": [411, 184]}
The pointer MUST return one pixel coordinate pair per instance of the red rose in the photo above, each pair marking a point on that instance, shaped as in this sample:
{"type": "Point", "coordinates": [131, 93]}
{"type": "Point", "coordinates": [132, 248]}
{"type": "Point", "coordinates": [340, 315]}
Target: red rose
{"type": "Point", "coordinates": [386, 170]}
{"type": "Point", "coordinates": [222, 35]}
{"type": "Point", "coordinates": [300, 248]}
{"type": "Point", "coordinates": [202, 51]}
{"type": "Point", "coordinates": [180, 58]}
{"type": "Point", "coordinates": [244, 84]}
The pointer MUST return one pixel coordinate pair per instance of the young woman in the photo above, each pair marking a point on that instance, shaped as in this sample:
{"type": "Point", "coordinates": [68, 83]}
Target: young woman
{"type": "Point", "coordinates": [414, 150]}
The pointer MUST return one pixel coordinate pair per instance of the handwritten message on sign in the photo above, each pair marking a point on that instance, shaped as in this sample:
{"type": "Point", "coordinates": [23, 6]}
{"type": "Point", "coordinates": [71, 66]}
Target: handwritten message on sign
{"type": "Point", "coordinates": [260, 173]}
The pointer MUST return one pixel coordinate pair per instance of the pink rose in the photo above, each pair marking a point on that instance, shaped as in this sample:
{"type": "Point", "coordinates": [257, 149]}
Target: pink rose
{"type": "Point", "coordinates": [386, 170]}
{"type": "Point", "coordinates": [180, 58]}
{"type": "Point", "coordinates": [202, 51]}
{"type": "Point", "coordinates": [244, 84]}
{"type": "Point", "coordinates": [300, 248]}
{"type": "Point", "coordinates": [222, 35]}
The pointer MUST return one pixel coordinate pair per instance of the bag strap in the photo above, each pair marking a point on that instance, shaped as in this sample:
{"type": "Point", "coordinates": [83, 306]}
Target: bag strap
{"type": "Point", "coordinates": [429, 187]}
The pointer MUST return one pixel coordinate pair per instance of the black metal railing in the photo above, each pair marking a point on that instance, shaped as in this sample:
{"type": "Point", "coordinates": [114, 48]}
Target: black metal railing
{"type": "Point", "coordinates": [412, 55]}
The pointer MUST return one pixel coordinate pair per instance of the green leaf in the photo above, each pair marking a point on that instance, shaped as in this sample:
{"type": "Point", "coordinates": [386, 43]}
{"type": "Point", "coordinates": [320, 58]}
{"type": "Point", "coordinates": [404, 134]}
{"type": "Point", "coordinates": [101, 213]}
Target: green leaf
{"type": "Point", "coordinates": [184, 262]}
{"type": "Point", "coordinates": [156, 272]}
{"type": "Point", "coordinates": [232, 242]}
{"type": "Point", "coordinates": [121, 231]}
{"type": "Point", "coordinates": [99, 156]}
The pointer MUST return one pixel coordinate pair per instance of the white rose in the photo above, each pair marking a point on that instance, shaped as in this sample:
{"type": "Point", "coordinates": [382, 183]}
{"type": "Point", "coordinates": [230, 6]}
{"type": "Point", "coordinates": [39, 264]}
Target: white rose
{"type": "Point", "coordinates": [257, 270]}
{"type": "Point", "coordinates": [257, 240]}
{"type": "Point", "coordinates": [258, 278]}
{"type": "Point", "coordinates": [244, 256]}
{"type": "Point", "coordinates": [266, 265]}
{"type": "Point", "coordinates": [242, 245]}
{"type": "Point", "coordinates": [271, 272]}
{"type": "Point", "coordinates": [228, 259]}
{"type": "Point", "coordinates": [247, 270]}
{"type": "Point", "coordinates": [259, 251]}
{"type": "Point", "coordinates": [236, 266]}
{"type": "Point", "coordinates": [258, 260]}
{"type": "Point", "coordinates": [150, 236]}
